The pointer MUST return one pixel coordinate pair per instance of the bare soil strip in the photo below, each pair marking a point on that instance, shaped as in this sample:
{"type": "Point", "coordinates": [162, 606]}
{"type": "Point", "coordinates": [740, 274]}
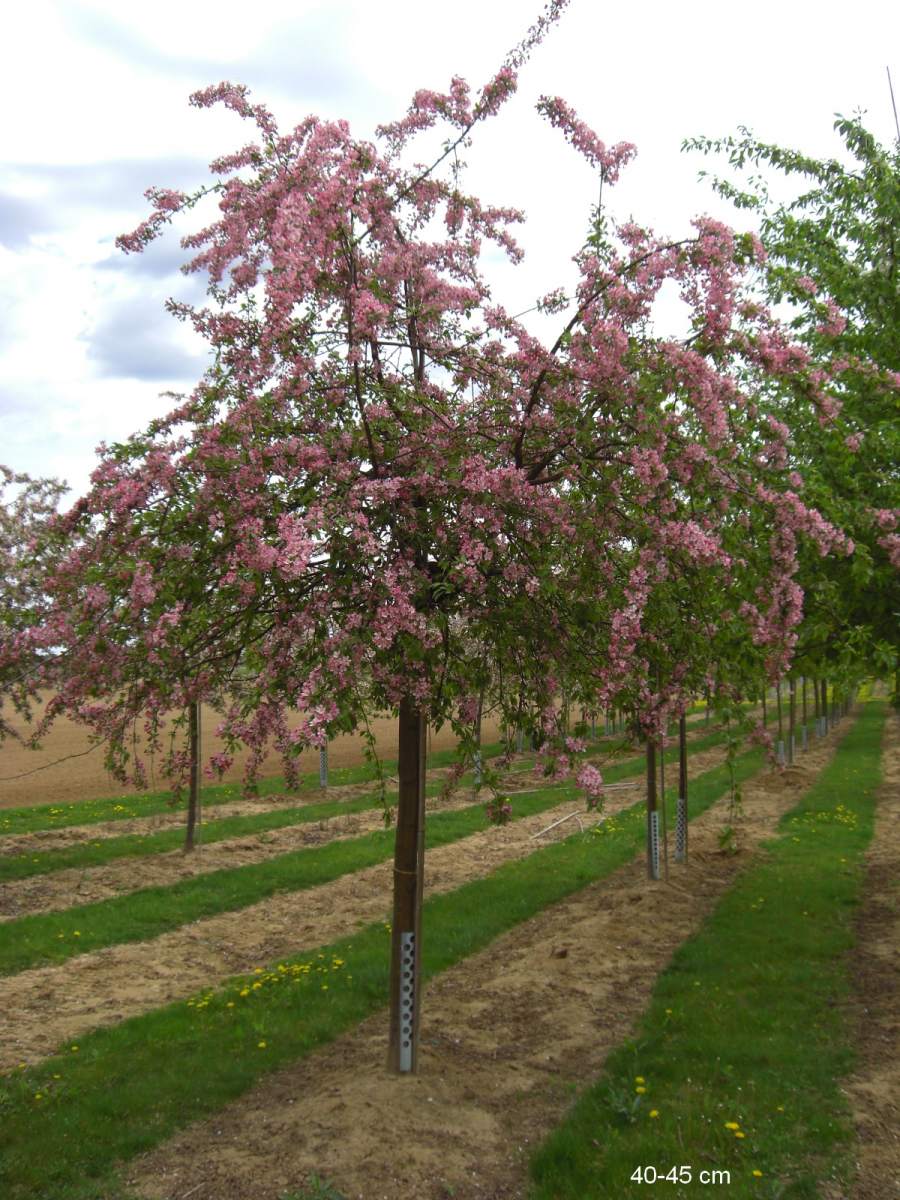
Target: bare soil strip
{"type": "Point", "coordinates": [507, 1037]}
{"type": "Point", "coordinates": [68, 835]}
{"type": "Point", "coordinates": [66, 774]}
{"type": "Point", "coordinates": [63, 889]}
{"type": "Point", "coordinates": [58, 1004]}
{"type": "Point", "coordinates": [874, 1088]}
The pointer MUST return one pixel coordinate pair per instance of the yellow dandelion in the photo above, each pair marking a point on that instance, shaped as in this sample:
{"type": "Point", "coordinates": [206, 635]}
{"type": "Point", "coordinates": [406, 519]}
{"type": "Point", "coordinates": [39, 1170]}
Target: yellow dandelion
{"type": "Point", "coordinates": [738, 1134]}
{"type": "Point", "coordinates": [732, 1125]}
{"type": "Point", "coordinates": [654, 1112]}
{"type": "Point", "coordinates": [757, 1173]}
{"type": "Point", "coordinates": [261, 1045]}
{"type": "Point", "coordinates": [640, 1090]}
{"type": "Point", "coordinates": [639, 1079]}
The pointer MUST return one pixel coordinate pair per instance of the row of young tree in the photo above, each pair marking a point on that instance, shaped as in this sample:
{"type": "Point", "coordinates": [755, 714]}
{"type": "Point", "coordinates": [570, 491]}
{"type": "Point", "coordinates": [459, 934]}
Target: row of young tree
{"type": "Point", "coordinates": [387, 494]}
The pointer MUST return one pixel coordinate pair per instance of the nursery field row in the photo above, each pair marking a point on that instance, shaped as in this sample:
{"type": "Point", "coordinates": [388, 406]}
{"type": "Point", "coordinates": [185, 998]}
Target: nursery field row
{"type": "Point", "coordinates": [59, 1003]}
{"type": "Point", "coordinates": [749, 1079]}
{"type": "Point", "coordinates": [232, 1035]}
{"type": "Point", "coordinates": [83, 874]}
{"type": "Point", "coordinates": [87, 819]}
{"type": "Point", "coordinates": [26, 854]}
{"type": "Point", "coordinates": [513, 1030]}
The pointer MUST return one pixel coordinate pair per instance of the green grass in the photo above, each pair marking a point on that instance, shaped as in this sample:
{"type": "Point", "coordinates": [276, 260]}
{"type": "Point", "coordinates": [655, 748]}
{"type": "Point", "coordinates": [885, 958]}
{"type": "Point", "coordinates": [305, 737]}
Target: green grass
{"type": "Point", "coordinates": [121, 808]}
{"type": "Point", "coordinates": [84, 855]}
{"type": "Point", "coordinates": [140, 845]}
{"type": "Point", "coordinates": [148, 804]}
{"type": "Point", "coordinates": [745, 1026]}
{"type": "Point", "coordinates": [54, 937]}
{"type": "Point", "coordinates": [128, 1087]}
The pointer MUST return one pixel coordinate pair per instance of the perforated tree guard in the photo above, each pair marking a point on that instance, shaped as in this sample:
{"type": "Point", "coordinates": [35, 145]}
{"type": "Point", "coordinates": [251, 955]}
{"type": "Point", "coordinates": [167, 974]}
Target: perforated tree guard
{"type": "Point", "coordinates": [681, 830]}
{"type": "Point", "coordinates": [653, 844]}
{"type": "Point", "coordinates": [407, 999]}
{"type": "Point", "coordinates": [323, 766]}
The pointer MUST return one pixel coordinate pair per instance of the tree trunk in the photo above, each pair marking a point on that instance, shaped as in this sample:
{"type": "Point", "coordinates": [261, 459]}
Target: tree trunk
{"type": "Point", "coordinates": [765, 710]}
{"type": "Point", "coordinates": [409, 861]}
{"type": "Point", "coordinates": [652, 813]}
{"type": "Point", "coordinates": [792, 720]}
{"type": "Point", "coordinates": [194, 785]}
{"type": "Point", "coordinates": [681, 813]}
{"type": "Point", "coordinates": [476, 784]}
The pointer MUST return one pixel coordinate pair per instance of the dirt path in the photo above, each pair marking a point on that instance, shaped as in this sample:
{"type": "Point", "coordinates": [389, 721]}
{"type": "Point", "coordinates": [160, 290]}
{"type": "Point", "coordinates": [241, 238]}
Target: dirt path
{"type": "Point", "coordinates": [57, 1004]}
{"type": "Point", "coordinates": [507, 1034]}
{"type": "Point", "coordinates": [68, 771]}
{"type": "Point", "coordinates": [84, 885]}
{"type": "Point", "coordinates": [67, 888]}
{"type": "Point", "coordinates": [874, 1088]}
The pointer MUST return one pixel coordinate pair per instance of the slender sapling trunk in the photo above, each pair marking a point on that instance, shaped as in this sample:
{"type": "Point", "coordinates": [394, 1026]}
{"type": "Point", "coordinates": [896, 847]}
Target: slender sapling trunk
{"type": "Point", "coordinates": [409, 861]}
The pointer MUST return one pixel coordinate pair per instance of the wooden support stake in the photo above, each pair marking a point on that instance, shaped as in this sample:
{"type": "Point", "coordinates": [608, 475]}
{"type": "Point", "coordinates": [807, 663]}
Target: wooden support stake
{"type": "Point", "coordinates": [681, 822]}
{"type": "Point", "coordinates": [792, 720]}
{"type": "Point", "coordinates": [193, 811]}
{"type": "Point", "coordinates": [409, 862]}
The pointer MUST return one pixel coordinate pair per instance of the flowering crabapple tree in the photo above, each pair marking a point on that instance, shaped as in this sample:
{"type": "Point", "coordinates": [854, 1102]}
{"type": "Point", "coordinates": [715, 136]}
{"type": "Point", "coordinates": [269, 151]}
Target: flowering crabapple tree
{"type": "Point", "coordinates": [26, 507]}
{"type": "Point", "coordinates": [385, 490]}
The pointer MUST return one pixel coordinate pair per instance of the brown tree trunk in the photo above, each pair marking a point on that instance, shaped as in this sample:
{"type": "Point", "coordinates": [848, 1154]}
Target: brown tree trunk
{"type": "Point", "coordinates": [652, 813]}
{"type": "Point", "coordinates": [681, 808]}
{"type": "Point", "coordinates": [194, 784]}
{"type": "Point", "coordinates": [792, 720]}
{"type": "Point", "coordinates": [409, 862]}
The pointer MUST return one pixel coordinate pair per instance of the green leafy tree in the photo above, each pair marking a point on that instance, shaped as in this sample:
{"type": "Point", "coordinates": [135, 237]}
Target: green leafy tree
{"type": "Point", "coordinates": [833, 251]}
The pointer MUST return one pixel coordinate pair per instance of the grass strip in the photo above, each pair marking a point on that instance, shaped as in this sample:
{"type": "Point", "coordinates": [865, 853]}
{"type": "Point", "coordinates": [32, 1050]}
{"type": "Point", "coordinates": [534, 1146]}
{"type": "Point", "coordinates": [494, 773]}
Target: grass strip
{"type": "Point", "coordinates": [85, 855]}
{"type": "Point", "coordinates": [147, 804]}
{"type": "Point", "coordinates": [743, 1046]}
{"type": "Point", "coordinates": [122, 808]}
{"type": "Point", "coordinates": [54, 937]}
{"type": "Point", "coordinates": [140, 845]}
{"type": "Point", "coordinates": [122, 1090]}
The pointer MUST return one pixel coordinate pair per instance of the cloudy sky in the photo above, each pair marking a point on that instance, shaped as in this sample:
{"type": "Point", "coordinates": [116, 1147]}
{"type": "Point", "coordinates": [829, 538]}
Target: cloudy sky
{"type": "Point", "coordinates": [95, 103]}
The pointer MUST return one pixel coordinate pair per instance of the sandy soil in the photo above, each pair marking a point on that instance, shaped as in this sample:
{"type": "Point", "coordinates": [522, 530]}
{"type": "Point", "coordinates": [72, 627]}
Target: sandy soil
{"type": "Point", "coordinates": [56, 1004]}
{"type": "Point", "coordinates": [67, 770]}
{"type": "Point", "coordinates": [46, 780]}
{"type": "Point", "coordinates": [506, 1036]}
{"type": "Point", "coordinates": [874, 1088]}
{"type": "Point", "coordinates": [67, 888]}
{"type": "Point", "coordinates": [61, 889]}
